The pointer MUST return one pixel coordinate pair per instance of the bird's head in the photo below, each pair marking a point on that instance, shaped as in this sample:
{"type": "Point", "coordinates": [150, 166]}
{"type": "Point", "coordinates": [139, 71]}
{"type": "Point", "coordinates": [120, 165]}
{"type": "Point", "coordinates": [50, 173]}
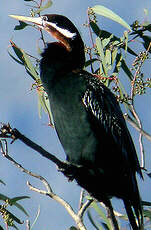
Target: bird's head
{"type": "Point", "coordinates": [58, 26]}
{"type": "Point", "coordinates": [62, 29]}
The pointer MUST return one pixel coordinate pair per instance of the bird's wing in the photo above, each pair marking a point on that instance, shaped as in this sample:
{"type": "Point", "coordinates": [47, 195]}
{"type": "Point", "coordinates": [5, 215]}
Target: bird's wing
{"type": "Point", "coordinates": [103, 108]}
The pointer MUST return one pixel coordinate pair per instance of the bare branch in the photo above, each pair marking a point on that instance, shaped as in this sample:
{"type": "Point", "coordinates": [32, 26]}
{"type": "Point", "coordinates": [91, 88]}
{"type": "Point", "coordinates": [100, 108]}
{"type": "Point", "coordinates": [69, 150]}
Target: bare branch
{"type": "Point", "coordinates": [84, 208]}
{"type": "Point", "coordinates": [145, 134]}
{"type": "Point", "coordinates": [81, 198]}
{"type": "Point", "coordinates": [13, 133]}
{"type": "Point", "coordinates": [142, 152]}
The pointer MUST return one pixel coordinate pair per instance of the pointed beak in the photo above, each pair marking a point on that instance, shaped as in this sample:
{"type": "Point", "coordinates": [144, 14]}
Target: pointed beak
{"type": "Point", "coordinates": [36, 21]}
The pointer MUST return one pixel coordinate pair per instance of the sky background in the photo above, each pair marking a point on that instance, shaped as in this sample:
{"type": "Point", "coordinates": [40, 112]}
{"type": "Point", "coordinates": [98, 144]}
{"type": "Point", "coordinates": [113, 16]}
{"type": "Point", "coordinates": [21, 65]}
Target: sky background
{"type": "Point", "coordinates": [18, 106]}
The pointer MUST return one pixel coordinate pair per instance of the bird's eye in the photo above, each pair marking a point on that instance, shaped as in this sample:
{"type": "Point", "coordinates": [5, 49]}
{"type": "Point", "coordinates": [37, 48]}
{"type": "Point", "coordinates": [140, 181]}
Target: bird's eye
{"type": "Point", "coordinates": [44, 18]}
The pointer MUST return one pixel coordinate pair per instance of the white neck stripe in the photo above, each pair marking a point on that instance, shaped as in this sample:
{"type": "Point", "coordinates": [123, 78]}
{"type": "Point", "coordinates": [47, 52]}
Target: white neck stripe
{"type": "Point", "coordinates": [65, 32]}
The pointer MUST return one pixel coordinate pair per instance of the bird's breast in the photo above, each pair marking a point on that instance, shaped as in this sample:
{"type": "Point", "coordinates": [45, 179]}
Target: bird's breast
{"type": "Point", "coordinates": [70, 118]}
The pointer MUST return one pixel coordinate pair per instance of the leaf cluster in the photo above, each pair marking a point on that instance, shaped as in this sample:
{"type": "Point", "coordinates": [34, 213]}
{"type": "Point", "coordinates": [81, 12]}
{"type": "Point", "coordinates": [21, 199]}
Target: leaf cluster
{"type": "Point", "coordinates": [108, 58]}
{"type": "Point", "coordinates": [9, 217]}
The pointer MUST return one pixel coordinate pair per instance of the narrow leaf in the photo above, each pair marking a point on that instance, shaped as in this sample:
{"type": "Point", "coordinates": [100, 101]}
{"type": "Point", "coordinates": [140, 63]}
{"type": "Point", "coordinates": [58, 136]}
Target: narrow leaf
{"type": "Point", "coordinates": [126, 69]}
{"type": "Point", "coordinates": [108, 59]}
{"type": "Point", "coordinates": [95, 28]}
{"type": "Point", "coordinates": [12, 216]}
{"type": "Point", "coordinates": [91, 61]}
{"type": "Point", "coordinates": [21, 25]}
{"type": "Point", "coordinates": [106, 34]}
{"type": "Point", "coordinates": [2, 182]}
{"type": "Point", "coordinates": [92, 222]}
{"type": "Point", "coordinates": [101, 214]}
{"type": "Point", "coordinates": [100, 50]}
{"type": "Point", "coordinates": [15, 199]}
{"type": "Point", "coordinates": [129, 50]}
{"type": "Point", "coordinates": [30, 66]}
{"type": "Point", "coordinates": [20, 207]}
{"type": "Point", "coordinates": [15, 59]}
{"type": "Point", "coordinates": [147, 213]}
{"type": "Point", "coordinates": [106, 41]}
{"type": "Point", "coordinates": [103, 11]}
{"type": "Point", "coordinates": [114, 54]}
{"type": "Point", "coordinates": [3, 197]}
{"type": "Point", "coordinates": [146, 203]}
{"type": "Point", "coordinates": [17, 51]}
{"type": "Point", "coordinates": [43, 103]}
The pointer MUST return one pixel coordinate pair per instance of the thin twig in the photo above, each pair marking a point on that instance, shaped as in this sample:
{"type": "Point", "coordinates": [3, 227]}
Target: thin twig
{"type": "Point", "coordinates": [81, 198]}
{"type": "Point", "coordinates": [133, 123]}
{"type": "Point", "coordinates": [84, 208]}
{"type": "Point", "coordinates": [8, 132]}
{"type": "Point", "coordinates": [78, 217]}
{"type": "Point", "coordinates": [91, 39]}
{"type": "Point", "coordinates": [142, 152]}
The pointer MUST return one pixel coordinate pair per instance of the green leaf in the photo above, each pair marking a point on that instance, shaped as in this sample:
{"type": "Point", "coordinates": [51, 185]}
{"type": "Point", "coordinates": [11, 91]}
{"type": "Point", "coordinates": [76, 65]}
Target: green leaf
{"type": "Point", "coordinates": [103, 11]}
{"type": "Point", "coordinates": [21, 208]}
{"type": "Point", "coordinates": [92, 221]}
{"type": "Point", "coordinates": [99, 48]}
{"type": "Point", "coordinates": [106, 34]}
{"type": "Point", "coordinates": [95, 28]}
{"type": "Point", "coordinates": [101, 214]}
{"type": "Point", "coordinates": [11, 216]}
{"type": "Point", "coordinates": [18, 52]}
{"type": "Point", "coordinates": [103, 64]}
{"type": "Point", "coordinates": [21, 26]}
{"type": "Point", "coordinates": [118, 63]}
{"type": "Point", "coordinates": [72, 228]}
{"type": "Point", "coordinates": [114, 54]}
{"type": "Point", "coordinates": [46, 6]}
{"type": "Point", "coordinates": [30, 66]}
{"type": "Point", "coordinates": [43, 103]}
{"type": "Point", "coordinates": [2, 182]}
{"type": "Point", "coordinates": [16, 219]}
{"type": "Point", "coordinates": [15, 59]}
{"type": "Point", "coordinates": [147, 213]}
{"type": "Point", "coordinates": [126, 69]}
{"type": "Point", "coordinates": [24, 60]}
{"type": "Point", "coordinates": [129, 50]}
{"type": "Point", "coordinates": [108, 59]}
{"type": "Point", "coordinates": [13, 200]}
{"type": "Point", "coordinates": [91, 61]}
{"type": "Point", "coordinates": [106, 41]}
{"type": "Point", "coordinates": [3, 197]}
{"type": "Point", "coordinates": [146, 203]}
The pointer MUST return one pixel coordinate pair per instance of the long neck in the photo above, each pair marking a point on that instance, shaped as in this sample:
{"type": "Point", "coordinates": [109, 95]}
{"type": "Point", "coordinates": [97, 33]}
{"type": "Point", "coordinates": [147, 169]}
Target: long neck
{"type": "Point", "coordinates": [57, 61]}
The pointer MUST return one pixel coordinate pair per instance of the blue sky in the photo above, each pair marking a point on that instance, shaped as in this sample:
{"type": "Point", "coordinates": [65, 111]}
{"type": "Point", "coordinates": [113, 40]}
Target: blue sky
{"type": "Point", "coordinates": [19, 107]}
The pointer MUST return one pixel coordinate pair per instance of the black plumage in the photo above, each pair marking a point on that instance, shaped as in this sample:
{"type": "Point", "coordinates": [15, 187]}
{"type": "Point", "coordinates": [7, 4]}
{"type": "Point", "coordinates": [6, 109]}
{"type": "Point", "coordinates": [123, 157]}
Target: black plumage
{"type": "Point", "coordinates": [91, 128]}
{"type": "Point", "coordinates": [89, 121]}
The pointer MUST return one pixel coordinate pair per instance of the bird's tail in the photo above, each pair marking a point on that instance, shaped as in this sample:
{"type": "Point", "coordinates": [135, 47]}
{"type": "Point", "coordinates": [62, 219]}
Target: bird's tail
{"type": "Point", "coordinates": [134, 212]}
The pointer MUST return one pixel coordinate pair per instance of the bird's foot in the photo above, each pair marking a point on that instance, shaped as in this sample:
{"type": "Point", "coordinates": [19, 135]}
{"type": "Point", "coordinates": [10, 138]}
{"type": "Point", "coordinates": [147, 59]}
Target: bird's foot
{"type": "Point", "coordinates": [69, 170]}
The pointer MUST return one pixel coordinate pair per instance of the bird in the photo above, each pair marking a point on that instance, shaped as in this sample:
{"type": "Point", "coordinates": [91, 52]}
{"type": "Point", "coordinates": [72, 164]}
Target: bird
{"type": "Point", "coordinates": [88, 119]}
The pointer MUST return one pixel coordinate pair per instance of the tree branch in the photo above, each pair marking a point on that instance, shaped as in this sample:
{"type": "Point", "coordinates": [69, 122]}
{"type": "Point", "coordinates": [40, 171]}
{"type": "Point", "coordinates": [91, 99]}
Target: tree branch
{"type": "Point", "coordinates": [14, 134]}
{"type": "Point", "coordinates": [8, 132]}
{"type": "Point", "coordinates": [78, 217]}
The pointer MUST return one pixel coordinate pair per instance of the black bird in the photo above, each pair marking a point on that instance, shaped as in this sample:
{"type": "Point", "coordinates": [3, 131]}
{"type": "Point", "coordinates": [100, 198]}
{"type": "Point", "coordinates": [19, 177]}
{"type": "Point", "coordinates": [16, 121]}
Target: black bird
{"type": "Point", "coordinates": [88, 119]}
